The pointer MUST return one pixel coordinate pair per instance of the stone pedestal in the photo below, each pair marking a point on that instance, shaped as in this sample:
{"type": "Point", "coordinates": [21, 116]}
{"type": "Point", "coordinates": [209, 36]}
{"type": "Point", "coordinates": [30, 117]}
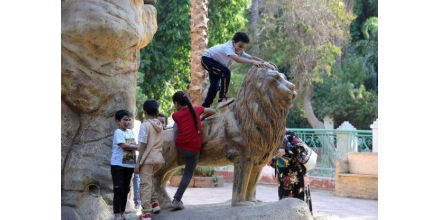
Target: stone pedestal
{"type": "Point", "coordinates": [346, 141]}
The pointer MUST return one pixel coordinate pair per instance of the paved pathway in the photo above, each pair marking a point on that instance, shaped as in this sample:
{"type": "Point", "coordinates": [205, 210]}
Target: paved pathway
{"type": "Point", "coordinates": [325, 204]}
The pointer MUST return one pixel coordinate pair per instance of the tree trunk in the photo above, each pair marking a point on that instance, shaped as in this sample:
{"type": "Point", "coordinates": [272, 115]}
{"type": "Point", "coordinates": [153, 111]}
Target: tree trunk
{"type": "Point", "coordinates": [199, 41]}
{"type": "Point", "coordinates": [307, 104]}
{"type": "Point", "coordinates": [327, 143]}
{"type": "Point", "coordinates": [254, 27]}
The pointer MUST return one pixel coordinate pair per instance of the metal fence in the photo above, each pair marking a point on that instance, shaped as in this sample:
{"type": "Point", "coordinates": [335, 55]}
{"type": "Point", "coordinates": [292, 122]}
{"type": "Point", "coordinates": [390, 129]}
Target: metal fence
{"type": "Point", "coordinates": [331, 145]}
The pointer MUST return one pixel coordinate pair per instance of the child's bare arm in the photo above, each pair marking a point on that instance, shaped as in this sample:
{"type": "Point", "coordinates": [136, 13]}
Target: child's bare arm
{"type": "Point", "coordinates": [246, 60]}
{"type": "Point", "coordinates": [207, 112]}
{"type": "Point", "coordinates": [258, 59]}
{"type": "Point", "coordinates": [142, 147]}
{"type": "Point", "coordinates": [126, 146]}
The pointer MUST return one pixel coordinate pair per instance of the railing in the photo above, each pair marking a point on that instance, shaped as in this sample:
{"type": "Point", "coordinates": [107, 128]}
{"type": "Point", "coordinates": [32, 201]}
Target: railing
{"type": "Point", "coordinates": [331, 145]}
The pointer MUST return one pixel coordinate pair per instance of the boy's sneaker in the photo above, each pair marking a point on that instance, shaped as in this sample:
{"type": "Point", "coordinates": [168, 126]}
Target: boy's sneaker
{"type": "Point", "coordinates": [156, 207]}
{"type": "Point", "coordinates": [225, 103]}
{"type": "Point", "coordinates": [146, 216]}
{"type": "Point", "coordinates": [177, 205]}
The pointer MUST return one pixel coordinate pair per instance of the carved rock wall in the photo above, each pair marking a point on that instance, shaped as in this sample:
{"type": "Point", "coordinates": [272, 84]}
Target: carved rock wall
{"type": "Point", "coordinates": [100, 51]}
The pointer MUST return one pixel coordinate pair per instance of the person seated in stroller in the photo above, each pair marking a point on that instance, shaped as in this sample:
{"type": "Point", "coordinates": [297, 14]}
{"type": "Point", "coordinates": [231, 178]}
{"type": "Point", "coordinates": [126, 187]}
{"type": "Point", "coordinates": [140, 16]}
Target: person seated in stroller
{"type": "Point", "coordinates": [293, 181]}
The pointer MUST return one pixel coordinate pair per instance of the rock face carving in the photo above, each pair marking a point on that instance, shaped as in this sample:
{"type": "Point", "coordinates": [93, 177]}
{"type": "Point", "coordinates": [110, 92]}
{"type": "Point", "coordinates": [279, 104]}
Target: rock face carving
{"type": "Point", "coordinates": [246, 134]}
{"type": "Point", "coordinates": [100, 49]}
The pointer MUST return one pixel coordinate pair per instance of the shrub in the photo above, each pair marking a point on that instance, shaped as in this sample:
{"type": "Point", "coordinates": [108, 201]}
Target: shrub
{"type": "Point", "coordinates": [199, 171]}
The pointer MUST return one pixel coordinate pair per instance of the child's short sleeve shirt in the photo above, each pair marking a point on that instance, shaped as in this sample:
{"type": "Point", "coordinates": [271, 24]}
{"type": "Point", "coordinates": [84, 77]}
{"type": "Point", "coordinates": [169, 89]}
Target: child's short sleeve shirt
{"type": "Point", "coordinates": [143, 134]}
{"type": "Point", "coordinates": [121, 157]}
{"type": "Point", "coordinates": [188, 137]}
{"type": "Point", "coordinates": [222, 52]}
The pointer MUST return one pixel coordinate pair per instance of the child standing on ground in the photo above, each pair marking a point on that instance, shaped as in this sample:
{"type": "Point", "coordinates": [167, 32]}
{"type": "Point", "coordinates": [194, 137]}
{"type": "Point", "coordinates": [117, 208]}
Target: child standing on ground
{"type": "Point", "coordinates": [150, 157]}
{"type": "Point", "coordinates": [217, 61]}
{"type": "Point", "coordinates": [188, 139]}
{"type": "Point", "coordinates": [122, 162]}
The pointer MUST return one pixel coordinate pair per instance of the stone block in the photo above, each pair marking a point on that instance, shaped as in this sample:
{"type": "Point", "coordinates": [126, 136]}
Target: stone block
{"type": "Point", "coordinates": [361, 179]}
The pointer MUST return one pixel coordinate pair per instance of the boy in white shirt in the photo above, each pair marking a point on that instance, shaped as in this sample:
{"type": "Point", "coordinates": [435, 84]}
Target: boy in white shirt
{"type": "Point", "coordinates": [217, 60]}
{"type": "Point", "coordinates": [122, 162]}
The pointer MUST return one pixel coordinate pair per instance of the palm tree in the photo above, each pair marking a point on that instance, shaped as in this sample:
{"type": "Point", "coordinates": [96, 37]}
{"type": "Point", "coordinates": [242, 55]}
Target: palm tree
{"type": "Point", "coordinates": [199, 41]}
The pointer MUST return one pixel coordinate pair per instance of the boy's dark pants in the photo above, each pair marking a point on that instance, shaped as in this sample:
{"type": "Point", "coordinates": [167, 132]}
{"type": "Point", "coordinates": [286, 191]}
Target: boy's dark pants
{"type": "Point", "coordinates": [217, 74]}
{"type": "Point", "coordinates": [121, 187]}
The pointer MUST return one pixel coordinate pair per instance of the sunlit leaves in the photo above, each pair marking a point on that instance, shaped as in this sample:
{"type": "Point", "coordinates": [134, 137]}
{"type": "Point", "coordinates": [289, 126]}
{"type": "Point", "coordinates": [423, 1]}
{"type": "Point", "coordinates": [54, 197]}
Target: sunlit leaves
{"type": "Point", "coordinates": [225, 18]}
{"type": "Point", "coordinates": [343, 95]}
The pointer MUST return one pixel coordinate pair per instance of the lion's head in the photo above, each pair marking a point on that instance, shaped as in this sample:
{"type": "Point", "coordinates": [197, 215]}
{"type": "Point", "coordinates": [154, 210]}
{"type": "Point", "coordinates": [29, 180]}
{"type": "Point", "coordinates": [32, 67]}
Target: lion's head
{"type": "Point", "coordinates": [265, 91]}
{"type": "Point", "coordinates": [262, 105]}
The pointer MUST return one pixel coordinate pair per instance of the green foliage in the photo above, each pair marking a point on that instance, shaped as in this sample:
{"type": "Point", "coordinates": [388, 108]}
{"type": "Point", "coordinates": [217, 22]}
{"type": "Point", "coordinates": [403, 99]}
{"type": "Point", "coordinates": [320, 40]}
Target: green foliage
{"type": "Point", "coordinates": [297, 118]}
{"type": "Point", "coordinates": [179, 172]}
{"type": "Point", "coordinates": [350, 94]}
{"type": "Point", "coordinates": [368, 49]}
{"type": "Point", "coordinates": [140, 96]}
{"type": "Point", "coordinates": [165, 61]}
{"type": "Point", "coordinates": [204, 171]}
{"type": "Point", "coordinates": [299, 35]}
{"type": "Point", "coordinates": [363, 9]}
{"type": "Point", "coordinates": [343, 96]}
{"type": "Point", "coordinates": [225, 18]}
{"type": "Point", "coordinates": [370, 25]}
{"type": "Point", "coordinates": [199, 171]}
{"type": "Point", "coordinates": [238, 72]}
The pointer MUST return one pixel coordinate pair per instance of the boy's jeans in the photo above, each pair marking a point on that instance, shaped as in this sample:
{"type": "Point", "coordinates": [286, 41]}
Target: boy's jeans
{"type": "Point", "coordinates": [219, 75]}
{"type": "Point", "coordinates": [136, 192]}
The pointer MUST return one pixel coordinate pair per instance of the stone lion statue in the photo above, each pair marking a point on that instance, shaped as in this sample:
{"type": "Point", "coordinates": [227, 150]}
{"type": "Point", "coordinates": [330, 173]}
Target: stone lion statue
{"type": "Point", "coordinates": [246, 133]}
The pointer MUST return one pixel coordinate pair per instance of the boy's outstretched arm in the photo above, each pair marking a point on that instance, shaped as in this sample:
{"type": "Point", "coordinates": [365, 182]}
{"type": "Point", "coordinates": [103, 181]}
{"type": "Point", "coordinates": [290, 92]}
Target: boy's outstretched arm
{"type": "Point", "coordinates": [258, 59]}
{"type": "Point", "coordinates": [246, 60]}
{"type": "Point", "coordinates": [127, 146]}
